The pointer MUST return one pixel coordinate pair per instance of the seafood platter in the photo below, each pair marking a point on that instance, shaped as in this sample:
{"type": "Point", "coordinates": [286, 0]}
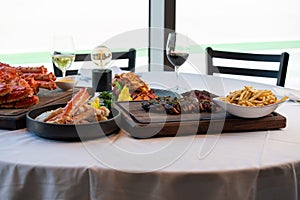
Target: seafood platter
{"type": "Point", "coordinates": [25, 88]}
{"type": "Point", "coordinates": [77, 120]}
{"type": "Point", "coordinates": [141, 111]}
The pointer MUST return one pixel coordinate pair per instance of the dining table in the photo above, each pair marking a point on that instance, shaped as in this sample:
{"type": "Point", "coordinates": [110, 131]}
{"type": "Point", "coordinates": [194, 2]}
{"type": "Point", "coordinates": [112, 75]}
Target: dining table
{"type": "Point", "coordinates": [261, 164]}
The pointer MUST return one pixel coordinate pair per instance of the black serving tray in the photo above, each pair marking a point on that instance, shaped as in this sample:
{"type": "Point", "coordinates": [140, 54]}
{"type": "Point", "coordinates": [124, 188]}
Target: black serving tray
{"type": "Point", "coordinates": [71, 132]}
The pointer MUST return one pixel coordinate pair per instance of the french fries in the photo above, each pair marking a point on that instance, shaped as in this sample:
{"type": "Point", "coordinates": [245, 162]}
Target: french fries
{"type": "Point", "coordinates": [252, 97]}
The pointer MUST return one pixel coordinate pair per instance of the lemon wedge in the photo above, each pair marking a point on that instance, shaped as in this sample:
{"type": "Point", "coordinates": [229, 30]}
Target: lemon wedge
{"type": "Point", "coordinates": [124, 94]}
{"type": "Point", "coordinates": [95, 103]}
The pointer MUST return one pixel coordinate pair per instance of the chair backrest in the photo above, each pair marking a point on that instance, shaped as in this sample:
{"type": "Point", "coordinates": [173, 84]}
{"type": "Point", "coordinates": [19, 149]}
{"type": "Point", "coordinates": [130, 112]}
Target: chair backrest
{"type": "Point", "coordinates": [130, 55]}
{"type": "Point", "coordinates": [282, 59]}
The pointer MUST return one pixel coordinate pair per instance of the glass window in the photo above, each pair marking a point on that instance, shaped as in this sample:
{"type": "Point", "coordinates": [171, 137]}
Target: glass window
{"type": "Point", "coordinates": [27, 27]}
{"type": "Point", "coordinates": [263, 26]}
{"type": "Point", "coordinates": [235, 21]}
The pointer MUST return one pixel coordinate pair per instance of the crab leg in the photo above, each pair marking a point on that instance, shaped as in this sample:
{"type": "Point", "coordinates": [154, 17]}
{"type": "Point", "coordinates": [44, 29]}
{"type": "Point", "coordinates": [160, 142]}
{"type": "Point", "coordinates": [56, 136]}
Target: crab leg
{"type": "Point", "coordinates": [66, 116]}
{"type": "Point", "coordinates": [78, 100]}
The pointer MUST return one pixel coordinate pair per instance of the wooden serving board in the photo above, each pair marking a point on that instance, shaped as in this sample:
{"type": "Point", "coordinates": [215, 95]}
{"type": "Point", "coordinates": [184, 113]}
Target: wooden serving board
{"type": "Point", "coordinates": [16, 118]}
{"type": "Point", "coordinates": [141, 124]}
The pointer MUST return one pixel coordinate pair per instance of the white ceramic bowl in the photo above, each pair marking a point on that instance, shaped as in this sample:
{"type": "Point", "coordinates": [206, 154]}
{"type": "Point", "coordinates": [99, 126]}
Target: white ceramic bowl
{"type": "Point", "coordinates": [66, 83]}
{"type": "Point", "coordinates": [246, 111]}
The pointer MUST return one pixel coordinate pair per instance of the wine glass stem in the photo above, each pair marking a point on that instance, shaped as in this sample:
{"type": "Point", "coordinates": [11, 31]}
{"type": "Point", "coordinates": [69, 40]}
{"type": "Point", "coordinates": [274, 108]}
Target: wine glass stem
{"type": "Point", "coordinates": [177, 78]}
{"type": "Point", "coordinates": [64, 73]}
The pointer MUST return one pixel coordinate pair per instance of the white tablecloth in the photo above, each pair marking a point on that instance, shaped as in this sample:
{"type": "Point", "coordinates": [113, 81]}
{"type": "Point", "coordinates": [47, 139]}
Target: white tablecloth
{"type": "Point", "coordinates": [247, 165]}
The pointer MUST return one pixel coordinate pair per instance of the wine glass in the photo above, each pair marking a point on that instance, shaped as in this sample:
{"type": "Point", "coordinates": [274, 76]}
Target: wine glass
{"type": "Point", "coordinates": [102, 76]}
{"type": "Point", "coordinates": [177, 52]}
{"type": "Point", "coordinates": [101, 56]}
{"type": "Point", "coordinates": [63, 53]}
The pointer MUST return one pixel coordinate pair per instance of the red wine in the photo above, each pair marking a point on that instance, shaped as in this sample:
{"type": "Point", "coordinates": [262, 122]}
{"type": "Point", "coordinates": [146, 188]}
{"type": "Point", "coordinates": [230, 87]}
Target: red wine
{"type": "Point", "coordinates": [178, 58]}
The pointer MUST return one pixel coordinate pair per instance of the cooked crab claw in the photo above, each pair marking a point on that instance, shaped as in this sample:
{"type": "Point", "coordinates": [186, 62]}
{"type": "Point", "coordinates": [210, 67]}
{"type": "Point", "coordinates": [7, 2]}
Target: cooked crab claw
{"type": "Point", "coordinates": [66, 116]}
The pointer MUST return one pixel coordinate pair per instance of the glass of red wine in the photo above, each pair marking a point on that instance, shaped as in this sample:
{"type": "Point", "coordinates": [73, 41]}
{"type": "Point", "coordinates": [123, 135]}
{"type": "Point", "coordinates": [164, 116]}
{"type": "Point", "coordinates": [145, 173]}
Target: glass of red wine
{"type": "Point", "coordinates": [177, 50]}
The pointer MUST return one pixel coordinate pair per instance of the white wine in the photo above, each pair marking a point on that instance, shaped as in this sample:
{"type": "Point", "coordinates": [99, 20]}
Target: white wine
{"type": "Point", "coordinates": [63, 61]}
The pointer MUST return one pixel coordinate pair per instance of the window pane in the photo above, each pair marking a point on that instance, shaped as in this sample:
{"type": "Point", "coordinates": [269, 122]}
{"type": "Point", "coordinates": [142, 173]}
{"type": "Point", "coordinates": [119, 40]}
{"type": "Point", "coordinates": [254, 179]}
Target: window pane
{"type": "Point", "coordinates": [234, 21]}
{"type": "Point", "coordinates": [28, 26]}
{"type": "Point", "coordinates": [264, 26]}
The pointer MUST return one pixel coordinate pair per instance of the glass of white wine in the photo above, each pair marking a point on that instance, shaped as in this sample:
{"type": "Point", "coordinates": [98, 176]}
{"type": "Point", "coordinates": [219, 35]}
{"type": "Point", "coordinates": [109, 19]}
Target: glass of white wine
{"type": "Point", "coordinates": [63, 53]}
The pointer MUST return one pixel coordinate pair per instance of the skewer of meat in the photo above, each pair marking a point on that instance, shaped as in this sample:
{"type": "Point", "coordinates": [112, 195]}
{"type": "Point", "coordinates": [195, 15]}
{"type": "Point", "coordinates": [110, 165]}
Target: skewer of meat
{"type": "Point", "coordinates": [50, 85]}
{"type": "Point", "coordinates": [5, 89]}
{"type": "Point", "coordinates": [19, 84]}
{"type": "Point", "coordinates": [23, 103]}
{"type": "Point", "coordinates": [42, 77]}
{"type": "Point", "coordinates": [39, 70]}
{"type": "Point", "coordinates": [19, 90]}
{"type": "Point", "coordinates": [33, 84]}
{"type": "Point", "coordinates": [17, 93]}
{"type": "Point", "coordinates": [7, 73]}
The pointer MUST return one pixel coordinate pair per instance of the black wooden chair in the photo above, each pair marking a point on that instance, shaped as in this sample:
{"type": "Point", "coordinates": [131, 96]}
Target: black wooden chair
{"type": "Point", "coordinates": [282, 60]}
{"type": "Point", "coordinates": [130, 55]}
